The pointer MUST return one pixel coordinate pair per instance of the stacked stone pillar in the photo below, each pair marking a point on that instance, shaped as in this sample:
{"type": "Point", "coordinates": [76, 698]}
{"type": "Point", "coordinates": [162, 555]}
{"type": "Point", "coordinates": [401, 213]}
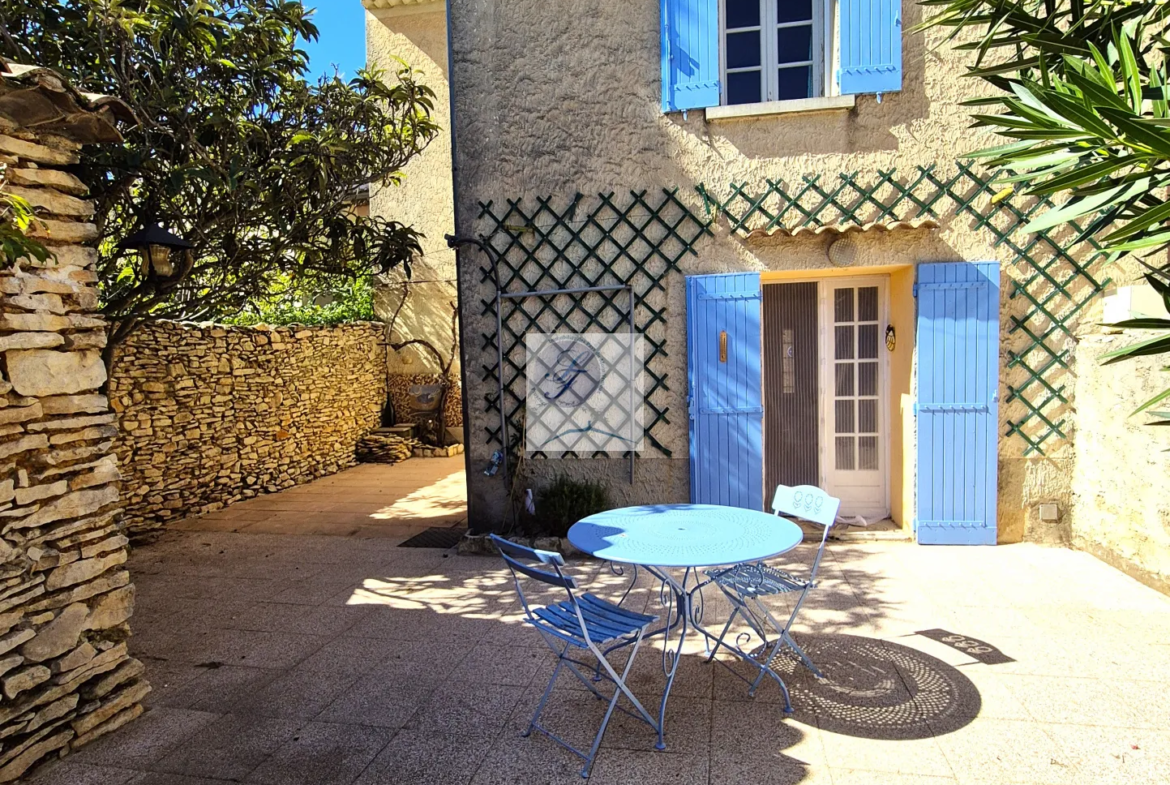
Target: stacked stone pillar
{"type": "Point", "coordinates": [65, 593]}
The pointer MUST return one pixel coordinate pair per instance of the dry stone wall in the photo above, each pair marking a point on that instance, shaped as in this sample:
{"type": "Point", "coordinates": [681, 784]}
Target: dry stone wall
{"type": "Point", "coordinates": [211, 414]}
{"type": "Point", "coordinates": [65, 593]}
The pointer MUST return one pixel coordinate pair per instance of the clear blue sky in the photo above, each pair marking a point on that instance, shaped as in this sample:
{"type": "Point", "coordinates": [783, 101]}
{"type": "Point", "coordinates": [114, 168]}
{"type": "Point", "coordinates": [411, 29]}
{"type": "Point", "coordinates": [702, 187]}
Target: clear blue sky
{"type": "Point", "coordinates": [342, 42]}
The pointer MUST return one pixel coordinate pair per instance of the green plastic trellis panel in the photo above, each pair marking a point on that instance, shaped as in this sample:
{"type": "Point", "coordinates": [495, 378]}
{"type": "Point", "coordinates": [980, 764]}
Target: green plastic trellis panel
{"type": "Point", "coordinates": [636, 240]}
{"type": "Point", "coordinates": [1059, 269]}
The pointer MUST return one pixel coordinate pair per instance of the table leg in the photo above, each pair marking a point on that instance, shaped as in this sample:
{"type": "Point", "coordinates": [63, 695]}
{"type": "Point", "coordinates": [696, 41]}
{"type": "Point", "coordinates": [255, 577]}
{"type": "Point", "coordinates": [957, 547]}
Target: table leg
{"type": "Point", "coordinates": [678, 612]}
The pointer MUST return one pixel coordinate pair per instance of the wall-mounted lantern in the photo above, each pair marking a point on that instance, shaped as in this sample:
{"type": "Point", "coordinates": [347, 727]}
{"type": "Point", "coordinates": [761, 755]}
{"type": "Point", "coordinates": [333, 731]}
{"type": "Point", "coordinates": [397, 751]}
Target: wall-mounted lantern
{"type": "Point", "coordinates": [891, 338]}
{"type": "Point", "coordinates": [155, 244]}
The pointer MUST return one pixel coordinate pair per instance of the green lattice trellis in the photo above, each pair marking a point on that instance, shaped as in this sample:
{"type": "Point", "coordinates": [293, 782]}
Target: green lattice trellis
{"type": "Point", "coordinates": [1056, 266]}
{"type": "Point", "coordinates": [635, 241]}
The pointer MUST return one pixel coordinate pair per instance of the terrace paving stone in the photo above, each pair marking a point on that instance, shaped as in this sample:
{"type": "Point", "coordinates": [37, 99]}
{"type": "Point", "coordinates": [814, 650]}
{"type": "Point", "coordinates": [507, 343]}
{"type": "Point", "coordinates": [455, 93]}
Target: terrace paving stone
{"type": "Point", "coordinates": [289, 640]}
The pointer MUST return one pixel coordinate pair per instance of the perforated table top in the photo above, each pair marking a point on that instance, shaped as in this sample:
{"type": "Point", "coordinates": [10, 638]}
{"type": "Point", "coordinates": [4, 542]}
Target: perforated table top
{"type": "Point", "coordinates": [684, 535]}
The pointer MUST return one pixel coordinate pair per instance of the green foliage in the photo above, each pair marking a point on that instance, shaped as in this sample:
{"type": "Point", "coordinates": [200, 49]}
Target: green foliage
{"type": "Point", "coordinates": [354, 303]}
{"type": "Point", "coordinates": [1159, 344]}
{"type": "Point", "coordinates": [16, 216]}
{"type": "Point", "coordinates": [565, 501]}
{"type": "Point", "coordinates": [1083, 93]}
{"type": "Point", "coordinates": [235, 150]}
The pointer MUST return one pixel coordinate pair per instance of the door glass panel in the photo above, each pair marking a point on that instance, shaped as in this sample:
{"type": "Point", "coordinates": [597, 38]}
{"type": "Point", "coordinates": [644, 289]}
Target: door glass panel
{"type": "Point", "coordinates": [844, 348]}
{"type": "Point", "coordinates": [856, 404]}
{"type": "Point", "coordinates": [844, 379]}
{"type": "Point", "coordinates": [867, 453]}
{"type": "Point", "coordinates": [867, 304]}
{"type": "Point", "coordinates": [867, 341]}
{"type": "Point", "coordinates": [867, 418]}
{"type": "Point", "coordinates": [845, 416]}
{"type": "Point", "coordinates": [843, 305]}
{"type": "Point", "coordinates": [845, 453]}
{"type": "Point", "coordinates": [866, 378]}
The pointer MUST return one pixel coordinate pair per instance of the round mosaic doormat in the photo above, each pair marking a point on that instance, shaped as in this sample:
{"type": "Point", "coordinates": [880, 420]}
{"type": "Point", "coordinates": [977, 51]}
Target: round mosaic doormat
{"type": "Point", "coordinates": [876, 689]}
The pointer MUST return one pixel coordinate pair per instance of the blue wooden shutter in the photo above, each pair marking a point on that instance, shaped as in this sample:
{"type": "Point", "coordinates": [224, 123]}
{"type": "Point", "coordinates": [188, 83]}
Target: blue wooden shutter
{"type": "Point", "coordinates": [957, 409]}
{"type": "Point", "coordinates": [871, 46]}
{"type": "Point", "coordinates": [726, 400]}
{"type": "Point", "coordinates": [690, 54]}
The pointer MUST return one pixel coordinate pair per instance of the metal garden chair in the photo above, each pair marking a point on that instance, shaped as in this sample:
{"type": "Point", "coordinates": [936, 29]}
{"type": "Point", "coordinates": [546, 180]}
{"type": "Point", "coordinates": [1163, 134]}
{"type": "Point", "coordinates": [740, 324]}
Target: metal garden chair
{"type": "Point", "coordinates": [745, 584]}
{"type": "Point", "coordinates": [583, 622]}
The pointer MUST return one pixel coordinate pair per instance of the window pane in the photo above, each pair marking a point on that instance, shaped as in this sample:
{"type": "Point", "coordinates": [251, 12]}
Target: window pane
{"type": "Point", "coordinates": [843, 305]}
{"type": "Point", "coordinates": [794, 44]}
{"type": "Point", "coordinates": [743, 13]}
{"type": "Point", "coordinates": [867, 416]}
{"type": "Point", "coordinates": [795, 83]}
{"type": "Point", "coordinates": [844, 379]}
{"type": "Point", "coordinates": [793, 10]}
{"type": "Point", "coordinates": [867, 304]}
{"type": "Point", "coordinates": [743, 87]}
{"type": "Point", "coordinates": [743, 49]}
{"type": "Point", "coordinates": [867, 457]}
{"type": "Point", "coordinates": [867, 379]}
{"type": "Point", "coordinates": [845, 461]}
{"type": "Point", "coordinates": [844, 341]}
{"type": "Point", "coordinates": [844, 419]}
{"type": "Point", "coordinates": [867, 341]}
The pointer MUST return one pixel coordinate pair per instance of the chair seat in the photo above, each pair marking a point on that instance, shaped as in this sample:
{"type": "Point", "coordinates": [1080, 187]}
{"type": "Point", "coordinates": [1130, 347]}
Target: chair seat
{"type": "Point", "coordinates": [604, 621]}
{"type": "Point", "coordinates": [754, 580]}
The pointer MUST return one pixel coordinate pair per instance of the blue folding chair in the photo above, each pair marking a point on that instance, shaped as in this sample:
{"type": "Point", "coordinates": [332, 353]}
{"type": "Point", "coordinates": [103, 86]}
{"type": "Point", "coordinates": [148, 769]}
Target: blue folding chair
{"type": "Point", "coordinates": [582, 622]}
{"type": "Point", "coordinates": [745, 584]}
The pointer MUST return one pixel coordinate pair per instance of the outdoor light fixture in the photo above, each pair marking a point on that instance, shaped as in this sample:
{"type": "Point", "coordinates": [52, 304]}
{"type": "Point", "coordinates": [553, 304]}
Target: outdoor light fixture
{"type": "Point", "coordinates": [155, 244]}
{"type": "Point", "coordinates": [891, 338]}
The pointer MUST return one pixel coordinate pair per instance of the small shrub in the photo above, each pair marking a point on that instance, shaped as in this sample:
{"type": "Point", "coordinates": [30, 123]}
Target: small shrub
{"type": "Point", "coordinates": [564, 502]}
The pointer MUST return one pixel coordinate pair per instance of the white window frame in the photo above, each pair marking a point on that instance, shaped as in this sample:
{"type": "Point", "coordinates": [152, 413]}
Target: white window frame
{"type": "Point", "coordinates": [824, 57]}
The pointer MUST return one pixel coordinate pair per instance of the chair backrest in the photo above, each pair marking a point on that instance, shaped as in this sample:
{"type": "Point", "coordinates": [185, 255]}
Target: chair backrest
{"type": "Point", "coordinates": [516, 555]}
{"type": "Point", "coordinates": [522, 560]}
{"type": "Point", "coordinates": [812, 504]}
{"type": "Point", "coordinates": [807, 502]}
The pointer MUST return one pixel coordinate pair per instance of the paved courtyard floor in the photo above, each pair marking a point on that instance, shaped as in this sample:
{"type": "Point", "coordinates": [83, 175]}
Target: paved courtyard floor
{"type": "Point", "coordinates": [290, 641]}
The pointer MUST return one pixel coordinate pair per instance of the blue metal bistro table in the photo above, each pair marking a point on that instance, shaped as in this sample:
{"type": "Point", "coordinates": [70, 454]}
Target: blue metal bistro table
{"type": "Point", "coordinates": [687, 536]}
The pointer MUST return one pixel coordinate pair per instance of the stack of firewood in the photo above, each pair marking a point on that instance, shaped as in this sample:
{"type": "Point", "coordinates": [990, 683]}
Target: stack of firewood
{"type": "Point", "coordinates": [384, 448]}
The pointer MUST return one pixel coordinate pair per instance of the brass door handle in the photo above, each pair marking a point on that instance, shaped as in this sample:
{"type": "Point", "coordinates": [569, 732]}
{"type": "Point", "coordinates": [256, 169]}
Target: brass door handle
{"type": "Point", "coordinates": [723, 346]}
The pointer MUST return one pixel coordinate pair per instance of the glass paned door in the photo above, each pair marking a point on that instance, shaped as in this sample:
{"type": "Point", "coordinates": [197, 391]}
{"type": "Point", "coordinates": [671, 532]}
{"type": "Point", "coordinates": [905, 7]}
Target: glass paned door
{"type": "Point", "coordinates": [854, 395]}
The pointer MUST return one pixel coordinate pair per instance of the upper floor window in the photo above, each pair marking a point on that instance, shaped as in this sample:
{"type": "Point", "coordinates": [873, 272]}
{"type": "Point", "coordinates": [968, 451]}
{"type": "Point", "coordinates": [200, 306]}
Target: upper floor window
{"type": "Point", "coordinates": [773, 50]}
{"type": "Point", "coordinates": [750, 51]}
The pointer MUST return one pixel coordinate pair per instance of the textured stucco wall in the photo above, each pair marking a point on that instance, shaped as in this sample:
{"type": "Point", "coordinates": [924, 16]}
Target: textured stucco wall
{"type": "Point", "coordinates": [424, 200]}
{"type": "Point", "coordinates": [549, 104]}
{"type": "Point", "coordinates": [1119, 509]}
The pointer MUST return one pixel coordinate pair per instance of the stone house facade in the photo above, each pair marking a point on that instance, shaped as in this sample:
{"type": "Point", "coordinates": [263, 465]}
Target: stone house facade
{"type": "Point", "coordinates": [421, 305]}
{"type": "Point", "coordinates": [813, 156]}
{"type": "Point", "coordinates": [65, 594]}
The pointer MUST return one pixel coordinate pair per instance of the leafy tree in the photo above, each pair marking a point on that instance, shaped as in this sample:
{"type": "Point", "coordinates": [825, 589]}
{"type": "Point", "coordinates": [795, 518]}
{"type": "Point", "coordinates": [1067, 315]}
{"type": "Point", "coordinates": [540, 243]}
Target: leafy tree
{"type": "Point", "coordinates": [16, 216]}
{"type": "Point", "coordinates": [1083, 95]}
{"type": "Point", "coordinates": [235, 150]}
